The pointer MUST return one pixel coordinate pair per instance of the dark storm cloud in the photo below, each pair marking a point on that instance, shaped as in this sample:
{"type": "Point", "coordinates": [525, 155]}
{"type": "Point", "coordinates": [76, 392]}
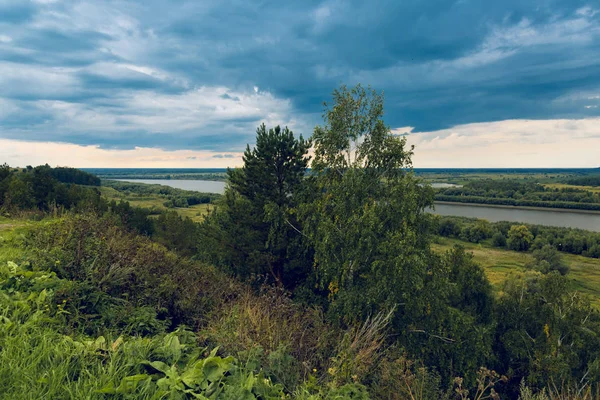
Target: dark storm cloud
{"type": "Point", "coordinates": [187, 74]}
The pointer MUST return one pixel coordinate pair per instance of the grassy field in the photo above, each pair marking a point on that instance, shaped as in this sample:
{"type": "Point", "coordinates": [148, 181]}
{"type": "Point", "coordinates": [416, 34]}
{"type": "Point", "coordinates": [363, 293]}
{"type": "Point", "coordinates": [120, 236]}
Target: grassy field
{"type": "Point", "coordinates": [499, 264]}
{"type": "Point", "coordinates": [565, 186]}
{"type": "Point", "coordinates": [196, 212]}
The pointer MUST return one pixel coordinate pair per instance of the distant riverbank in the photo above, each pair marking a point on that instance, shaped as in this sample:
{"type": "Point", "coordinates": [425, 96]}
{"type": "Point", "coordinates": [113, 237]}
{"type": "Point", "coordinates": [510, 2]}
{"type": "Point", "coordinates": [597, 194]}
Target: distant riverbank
{"type": "Point", "coordinates": [203, 186]}
{"type": "Point", "coordinates": [579, 219]}
{"type": "Point", "coordinates": [553, 209]}
{"type": "Point", "coordinates": [569, 218]}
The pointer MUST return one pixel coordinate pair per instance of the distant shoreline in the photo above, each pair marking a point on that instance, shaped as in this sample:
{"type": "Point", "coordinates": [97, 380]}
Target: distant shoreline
{"type": "Point", "coordinates": [563, 210]}
{"type": "Point", "coordinates": [211, 178]}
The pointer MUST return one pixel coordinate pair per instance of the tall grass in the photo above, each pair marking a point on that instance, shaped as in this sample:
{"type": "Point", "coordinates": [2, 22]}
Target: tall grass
{"type": "Point", "coordinates": [37, 361]}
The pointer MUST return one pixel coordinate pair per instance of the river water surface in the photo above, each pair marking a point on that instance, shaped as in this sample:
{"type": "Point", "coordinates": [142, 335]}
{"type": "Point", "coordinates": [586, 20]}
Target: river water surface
{"type": "Point", "coordinates": [198, 186]}
{"type": "Point", "coordinates": [565, 218]}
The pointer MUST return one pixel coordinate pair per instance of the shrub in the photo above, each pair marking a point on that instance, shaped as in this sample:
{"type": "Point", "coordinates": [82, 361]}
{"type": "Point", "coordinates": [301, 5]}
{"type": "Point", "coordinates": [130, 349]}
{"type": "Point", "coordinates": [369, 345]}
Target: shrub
{"type": "Point", "coordinates": [548, 259]}
{"type": "Point", "coordinates": [519, 238]}
{"type": "Point", "coordinates": [539, 242]}
{"type": "Point", "coordinates": [449, 228]}
{"type": "Point", "coordinates": [272, 322]}
{"type": "Point", "coordinates": [499, 240]}
{"type": "Point", "coordinates": [127, 267]}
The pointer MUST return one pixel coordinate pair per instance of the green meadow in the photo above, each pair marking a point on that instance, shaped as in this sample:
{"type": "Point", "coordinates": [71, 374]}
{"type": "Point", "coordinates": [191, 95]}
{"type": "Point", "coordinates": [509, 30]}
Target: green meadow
{"type": "Point", "coordinates": [196, 212]}
{"type": "Point", "coordinates": [499, 264]}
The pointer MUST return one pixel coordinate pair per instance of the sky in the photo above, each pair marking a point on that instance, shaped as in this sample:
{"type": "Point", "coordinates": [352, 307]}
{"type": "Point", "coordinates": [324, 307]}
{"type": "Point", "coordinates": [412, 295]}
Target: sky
{"type": "Point", "coordinates": [101, 83]}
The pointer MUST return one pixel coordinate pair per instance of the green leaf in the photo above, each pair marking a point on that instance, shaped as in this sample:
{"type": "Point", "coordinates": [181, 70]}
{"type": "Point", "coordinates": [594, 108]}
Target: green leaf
{"type": "Point", "coordinates": [108, 389]}
{"type": "Point", "coordinates": [42, 297]}
{"type": "Point", "coordinates": [215, 368]}
{"type": "Point", "coordinates": [194, 376]}
{"type": "Point", "coordinates": [173, 346]}
{"type": "Point", "coordinates": [250, 381]}
{"type": "Point", "coordinates": [128, 385]}
{"type": "Point", "coordinates": [12, 267]}
{"type": "Point", "coordinates": [196, 395]}
{"type": "Point", "coordinates": [158, 366]}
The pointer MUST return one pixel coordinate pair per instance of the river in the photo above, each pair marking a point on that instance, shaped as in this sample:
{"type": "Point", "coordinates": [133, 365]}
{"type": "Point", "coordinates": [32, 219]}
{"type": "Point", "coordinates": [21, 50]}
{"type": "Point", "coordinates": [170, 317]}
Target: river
{"type": "Point", "coordinates": [198, 186]}
{"type": "Point", "coordinates": [216, 186]}
{"type": "Point", "coordinates": [564, 218]}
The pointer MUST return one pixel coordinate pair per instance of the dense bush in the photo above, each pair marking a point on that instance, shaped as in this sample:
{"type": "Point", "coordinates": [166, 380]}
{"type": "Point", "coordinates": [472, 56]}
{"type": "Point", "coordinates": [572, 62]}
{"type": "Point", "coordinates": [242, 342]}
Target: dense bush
{"type": "Point", "coordinates": [499, 240]}
{"type": "Point", "coordinates": [519, 238]}
{"type": "Point", "coordinates": [548, 259]}
{"type": "Point", "coordinates": [477, 232]}
{"type": "Point", "coordinates": [37, 359]}
{"type": "Point", "coordinates": [105, 280]}
{"type": "Point", "coordinates": [96, 252]}
{"type": "Point", "coordinates": [544, 331]}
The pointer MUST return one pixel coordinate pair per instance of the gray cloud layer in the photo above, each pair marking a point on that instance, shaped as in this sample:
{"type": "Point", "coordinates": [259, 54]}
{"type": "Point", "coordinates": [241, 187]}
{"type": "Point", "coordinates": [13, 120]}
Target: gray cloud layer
{"type": "Point", "coordinates": [202, 75]}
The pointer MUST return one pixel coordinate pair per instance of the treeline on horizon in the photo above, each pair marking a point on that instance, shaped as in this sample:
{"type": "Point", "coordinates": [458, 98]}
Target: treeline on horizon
{"type": "Point", "coordinates": [211, 174]}
{"type": "Point", "coordinates": [325, 283]}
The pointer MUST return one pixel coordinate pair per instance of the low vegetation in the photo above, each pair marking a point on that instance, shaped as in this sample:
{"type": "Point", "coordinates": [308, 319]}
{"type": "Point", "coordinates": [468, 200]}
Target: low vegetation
{"type": "Point", "coordinates": [521, 237]}
{"type": "Point", "coordinates": [87, 311]}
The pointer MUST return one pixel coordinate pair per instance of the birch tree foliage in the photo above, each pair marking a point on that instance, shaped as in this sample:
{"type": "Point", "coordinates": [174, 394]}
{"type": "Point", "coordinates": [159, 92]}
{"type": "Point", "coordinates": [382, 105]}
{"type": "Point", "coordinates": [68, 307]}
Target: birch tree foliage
{"type": "Point", "coordinates": [367, 220]}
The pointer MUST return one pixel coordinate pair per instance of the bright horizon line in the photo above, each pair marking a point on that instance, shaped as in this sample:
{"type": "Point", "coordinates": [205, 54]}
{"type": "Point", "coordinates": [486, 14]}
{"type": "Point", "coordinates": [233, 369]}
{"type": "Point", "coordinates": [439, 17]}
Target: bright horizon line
{"type": "Point", "coordinates": [508, 144]}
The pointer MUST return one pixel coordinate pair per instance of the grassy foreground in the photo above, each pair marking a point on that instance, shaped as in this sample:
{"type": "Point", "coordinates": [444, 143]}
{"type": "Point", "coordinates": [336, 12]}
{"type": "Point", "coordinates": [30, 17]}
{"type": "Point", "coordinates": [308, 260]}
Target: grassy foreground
{"type": "Point", "coordinates": [64, 335]}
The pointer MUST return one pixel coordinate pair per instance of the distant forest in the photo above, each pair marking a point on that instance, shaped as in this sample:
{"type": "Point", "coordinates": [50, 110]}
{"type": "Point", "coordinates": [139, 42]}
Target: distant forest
{"type": "Point", "coordinates": [516, 193]}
